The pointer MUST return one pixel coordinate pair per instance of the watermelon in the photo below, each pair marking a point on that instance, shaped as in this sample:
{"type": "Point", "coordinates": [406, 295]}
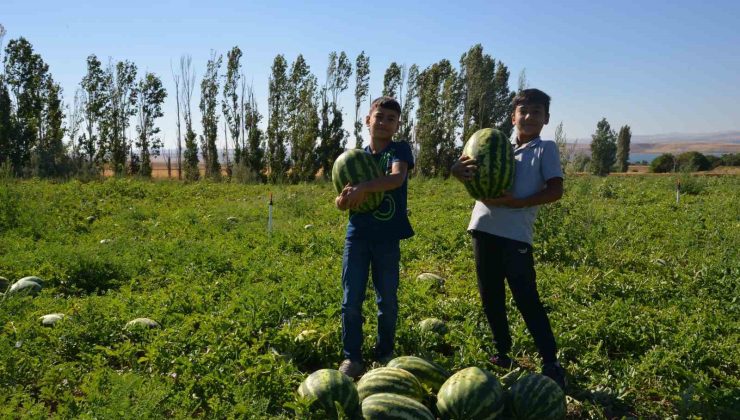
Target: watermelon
{"type": "Point", "coordinates": [142, 323]}
{"type": "Point", "coordinates": [390, 380]}
{"type": "Point", "coordinates": [386, 406]}
{"type": "Point", "coordinates": [428, 373]}
{"type": "Point", "coordinates": [434, 281]}
{"type": "Point", "coordinates": [471, 393]}
{"type": "Point", "coordinates": [433, 325]}
{"type": "Point", "coordinates": [327, 386]}
{"type": "Point", "coordinates": [29, 285]}
{"type": "Point", "coordinates": [50, 319]}
{"type": "Point", "coordinates": [353, 167]}
{"type": "Point", "coordinates": [536, 396]}
{"type": "Point", "coordinates": [495, 156]}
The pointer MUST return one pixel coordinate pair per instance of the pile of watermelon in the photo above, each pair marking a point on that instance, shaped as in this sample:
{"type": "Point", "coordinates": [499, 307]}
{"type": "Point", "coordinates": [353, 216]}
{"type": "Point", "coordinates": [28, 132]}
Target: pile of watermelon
{"type": "Point", "coordinates": [410, 387]}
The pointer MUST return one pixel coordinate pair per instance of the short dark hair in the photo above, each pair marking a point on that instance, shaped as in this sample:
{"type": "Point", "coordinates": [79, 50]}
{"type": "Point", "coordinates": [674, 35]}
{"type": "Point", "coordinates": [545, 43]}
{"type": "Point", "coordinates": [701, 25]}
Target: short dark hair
{"type": "Point", "coordinates": [386, 102]}
{"type": "Point", "coordinates": [532, 97]}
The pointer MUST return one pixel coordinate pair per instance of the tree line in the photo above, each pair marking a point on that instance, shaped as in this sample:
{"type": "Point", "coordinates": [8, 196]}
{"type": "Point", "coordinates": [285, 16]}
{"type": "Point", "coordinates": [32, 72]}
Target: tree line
{"type": "Point", "coordinates": [300, 138]}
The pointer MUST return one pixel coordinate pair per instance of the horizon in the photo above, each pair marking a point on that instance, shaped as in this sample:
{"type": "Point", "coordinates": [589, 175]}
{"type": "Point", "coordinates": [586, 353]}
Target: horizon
{"type": "Point", "coordinates": [596, 61]}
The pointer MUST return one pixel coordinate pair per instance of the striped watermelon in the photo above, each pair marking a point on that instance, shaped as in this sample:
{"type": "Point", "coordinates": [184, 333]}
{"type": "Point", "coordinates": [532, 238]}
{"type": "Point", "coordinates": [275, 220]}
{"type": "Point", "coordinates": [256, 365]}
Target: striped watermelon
{"type": "Point", "coordinates": [433, 325]}
{"type": "Point", "coordinates": [471, 393]}
{"type": "Point", "coordinates": [387, 406]}
{"type": "Point", "coordinates": [328, 386]}
{"type": "Point", "coordinates": [495, 156]}
{"type": "Point", "coordinates": [536, 396]}
{"type": "Point", "coordinates": [353, 167]}
{"type": "Point", "coordinates": [390, 380]}
{"type": "Point", "coordinates": [428, 373]}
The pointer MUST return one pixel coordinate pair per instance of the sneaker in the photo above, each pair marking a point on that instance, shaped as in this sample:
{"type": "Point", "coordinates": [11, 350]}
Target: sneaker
{"type": "Point", "coordinates": [352, 368]}
{"type": "Point", "coordinates": [502, 361]}
{"type": "Point", "coordinates": [555, 372]}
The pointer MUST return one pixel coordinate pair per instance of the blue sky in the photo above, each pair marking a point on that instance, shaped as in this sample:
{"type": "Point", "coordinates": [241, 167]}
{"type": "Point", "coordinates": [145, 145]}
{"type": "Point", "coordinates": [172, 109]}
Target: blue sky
{"type": "Point", "coordinates": [659, 66]}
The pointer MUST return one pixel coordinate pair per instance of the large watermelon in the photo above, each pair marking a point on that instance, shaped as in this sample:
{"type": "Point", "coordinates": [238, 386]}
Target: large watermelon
{"type": "Point", "coordinates": [27, 285]}
{"type": "Point", "coordinates": [495, 156]}
{"type": "Point", "coordinates": [536, 396]}
{"type": "Point", "coordinates": [433, 325]}
{"type": "Point", "coordinates": [390, 380]}
{"type": "Point", "coordinates": [387, 406]}
{"type": "Point", "coordinates": [353, 167]}
{"type": "Point", "coordinates": [471, 393]}
{"type": "Point", "coordinates": [428, 373]}
{"type": "Point", "coordinates": [328, 386]}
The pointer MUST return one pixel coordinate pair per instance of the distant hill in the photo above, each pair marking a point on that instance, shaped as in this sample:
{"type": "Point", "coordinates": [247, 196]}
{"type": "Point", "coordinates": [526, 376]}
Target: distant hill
{"type": "Point", "coordinates": [715, 143]}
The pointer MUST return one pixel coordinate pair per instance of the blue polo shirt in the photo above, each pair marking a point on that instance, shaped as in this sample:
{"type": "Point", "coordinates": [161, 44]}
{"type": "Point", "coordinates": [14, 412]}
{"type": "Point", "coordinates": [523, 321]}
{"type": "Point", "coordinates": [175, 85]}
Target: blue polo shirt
{"type": "Point", "coordinates": [389, 222]}
{"type": "Point", "coordinates": [535, 162]}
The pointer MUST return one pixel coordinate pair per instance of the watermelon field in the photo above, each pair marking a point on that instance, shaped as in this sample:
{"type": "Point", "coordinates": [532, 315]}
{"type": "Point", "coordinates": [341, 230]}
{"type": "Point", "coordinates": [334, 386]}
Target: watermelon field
{"type": "Point", "coordinates": [643, 294]}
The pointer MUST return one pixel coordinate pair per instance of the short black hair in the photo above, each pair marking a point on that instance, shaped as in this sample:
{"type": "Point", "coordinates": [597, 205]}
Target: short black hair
{"type": "Point", "coordinates": [386, 102]}
{"type": "Point", "coordinates": [532, 97]}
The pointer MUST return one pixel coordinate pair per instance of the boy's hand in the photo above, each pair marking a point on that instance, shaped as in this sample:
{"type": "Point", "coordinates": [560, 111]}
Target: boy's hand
{"type": "Point", "coordinates": [355, 195]}
{"type": "Point", "coordinates": [341, 201]}
{"type": "Point", "coordinates": [506, 200]}
{"type": "Point", "coordinates": [464, 168]}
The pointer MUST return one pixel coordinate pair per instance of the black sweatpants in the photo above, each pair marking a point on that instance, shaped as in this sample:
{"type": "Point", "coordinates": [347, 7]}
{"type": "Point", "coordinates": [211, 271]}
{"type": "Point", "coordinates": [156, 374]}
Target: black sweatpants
{"type": "Point", "coordinates": [497, 258]}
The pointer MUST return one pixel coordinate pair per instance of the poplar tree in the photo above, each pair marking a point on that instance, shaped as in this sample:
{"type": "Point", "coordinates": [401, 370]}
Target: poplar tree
{"type": "Point", "coordinates": [209, 117]}
{"type": "Point", "coordinates": [362, 85]}
{"type": "Point", "coordinates": [25, 75]}
{"type": "Point", "coordinates": [502, 100]}
{"type": "Point", "coordinates": [192, 172]}
{"type": "Point", "coordinates": [392, 80]}
{"type": "Point", "coordinates": [231, 105]}
{"type": "Point", "coordinates": [120, 106]}
{"type": "Point", "coordinates": [253, 136]}
{"type": "Point", "coordinates": [94, 99]}
{"type": "Point", "coordinates": [277, 159]}
{"type": "Point", "coordinates": [333, 135]}
{"type": "Point", "coordinates": [151, 95]}
{"type": "Point", "coordinates": [51, 151]}
{"type": "Point", "coordinates": [623, 148]}
{"type": "Point", "coordinates": [406, 131]}
{"type": "Point", "coordinates": [603, 149]}
{"type": "Point", "coordinates": [477, 71]}
{"type": "Point", "coordinates": [438, 116]}
{"type": "Point", "coordinates": [303, 120]}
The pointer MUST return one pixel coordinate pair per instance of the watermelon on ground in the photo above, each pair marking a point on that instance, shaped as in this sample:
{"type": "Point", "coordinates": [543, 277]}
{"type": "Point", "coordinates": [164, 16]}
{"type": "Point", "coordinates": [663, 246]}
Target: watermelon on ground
{"type": "Point", "coordinates": [327, 386]}
{"type": "Point", "coordinates": [435, 282]}
{"type": "Point", "coordinates": [386, 406]}
{"type": "Point", "coordinates": [30, 285]}
{"type": "Point", "coordinates": [536, 396]}
{"type": "Point", "coordinates": [50, 319]}
{"type": "Point", "coordinates": [142, 323]}
{"type": "Point", "coordinates": [354, 167]}
{"type": "Point", "coordinates": [390, 380]}
{"type": "Point", "coordinates": [433, 325]}
{"type": "Point", "coordinates": [495, 161]}
{"type": "Point", "coordinates": [428, 373]}
{"type": "Point", "coordinates": [471, 393]}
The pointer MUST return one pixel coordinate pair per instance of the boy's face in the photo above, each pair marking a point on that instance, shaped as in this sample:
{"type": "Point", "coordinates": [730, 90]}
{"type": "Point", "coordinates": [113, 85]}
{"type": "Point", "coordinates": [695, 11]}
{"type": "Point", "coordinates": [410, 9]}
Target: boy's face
{"type": "Point", "coordinates": [382, 123]}
{"type": "Point", "coordinates": [529, 119]}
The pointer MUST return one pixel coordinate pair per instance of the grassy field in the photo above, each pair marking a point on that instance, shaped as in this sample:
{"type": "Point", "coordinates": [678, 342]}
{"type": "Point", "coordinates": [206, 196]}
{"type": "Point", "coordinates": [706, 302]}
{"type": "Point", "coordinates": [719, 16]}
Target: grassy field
{"type": "Point", "coordinates": [642, 293]}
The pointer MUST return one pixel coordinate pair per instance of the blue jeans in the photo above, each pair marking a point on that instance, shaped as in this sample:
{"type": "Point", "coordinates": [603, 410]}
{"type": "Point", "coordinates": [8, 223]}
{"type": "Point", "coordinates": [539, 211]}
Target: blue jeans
{"type": "Point", "coordinates": [359, 257]}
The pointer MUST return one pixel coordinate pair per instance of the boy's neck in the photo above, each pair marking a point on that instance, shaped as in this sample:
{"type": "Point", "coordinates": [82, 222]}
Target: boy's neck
{"type": "Point", "coordinates": [377, 144]}
{"type": "Point", "coordinates": [522, 140]}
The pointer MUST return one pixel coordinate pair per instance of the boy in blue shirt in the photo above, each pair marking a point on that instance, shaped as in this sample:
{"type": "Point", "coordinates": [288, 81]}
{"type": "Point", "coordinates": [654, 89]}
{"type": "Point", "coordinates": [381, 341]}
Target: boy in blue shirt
{"type": "Point", "coordinates": [373, 239]}
{"type": "Point", "coordinates": [502, 233]}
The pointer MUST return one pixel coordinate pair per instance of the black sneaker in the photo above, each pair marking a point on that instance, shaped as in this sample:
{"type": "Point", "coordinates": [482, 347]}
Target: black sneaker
{"type": "Point", "coordinates": [383, 360]}
{"type": "Point", "coordinates": [352, 368]}
{"type": "Point", "coordinates": [502, 361]}
{"type": "Point", "coordinates": [555, 372]}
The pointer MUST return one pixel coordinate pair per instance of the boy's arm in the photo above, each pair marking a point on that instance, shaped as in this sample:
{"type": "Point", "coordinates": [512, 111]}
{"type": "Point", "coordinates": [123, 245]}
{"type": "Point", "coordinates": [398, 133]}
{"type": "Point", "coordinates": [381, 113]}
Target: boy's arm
{"type": "Point", "coordinates": [553, 192]}
{"type": "Point", "coordinates": [356, 193]}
